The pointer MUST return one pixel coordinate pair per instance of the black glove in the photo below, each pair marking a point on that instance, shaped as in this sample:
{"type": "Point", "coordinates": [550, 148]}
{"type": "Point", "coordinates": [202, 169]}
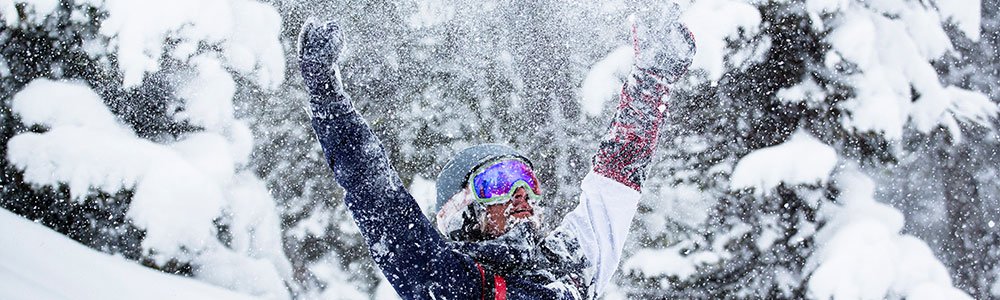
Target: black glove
{"type": "Point", "coordinates": [319, 47]}
{"type": "Point", "coordinates": [663, 45]}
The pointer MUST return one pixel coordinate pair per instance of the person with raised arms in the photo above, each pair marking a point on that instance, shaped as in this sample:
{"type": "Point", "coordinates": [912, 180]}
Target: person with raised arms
{"type": "Point", "coordinates": [485, 241]}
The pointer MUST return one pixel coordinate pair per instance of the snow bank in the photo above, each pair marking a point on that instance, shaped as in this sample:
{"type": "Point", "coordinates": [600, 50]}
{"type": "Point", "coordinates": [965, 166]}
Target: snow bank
{"type": "Point", "coordinates": [802, 159]}
{"type": "Point", "coordinates": [181, 188]}
{"type": "Point", "coordinates": [861, 254]}
{"type": "Point", "coordinates": [38, 263]}
{"type": "Point", "coordinates": [237, 272]}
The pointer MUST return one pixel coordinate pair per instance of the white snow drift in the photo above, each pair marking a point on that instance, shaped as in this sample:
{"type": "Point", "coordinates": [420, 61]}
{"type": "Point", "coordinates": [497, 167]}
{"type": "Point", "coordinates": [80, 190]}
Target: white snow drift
{"type": "Point", "coordinates": [38, 263]}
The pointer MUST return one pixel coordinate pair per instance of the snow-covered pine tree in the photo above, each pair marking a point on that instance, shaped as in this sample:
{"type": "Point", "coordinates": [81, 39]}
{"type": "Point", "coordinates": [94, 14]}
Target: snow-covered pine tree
{"type": "Point", "coordinates": [791, 91]}
{"type": "Point", "coordinates": [959, 228]}
{"type": "Point", "coordinates": [120, 132]}
{"type": "Point", "coordinates": [52, 46]}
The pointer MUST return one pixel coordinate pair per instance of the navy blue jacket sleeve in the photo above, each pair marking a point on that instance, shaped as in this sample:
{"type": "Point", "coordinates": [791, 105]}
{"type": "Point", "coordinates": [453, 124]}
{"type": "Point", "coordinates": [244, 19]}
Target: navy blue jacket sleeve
{"type": "Point", "coordinates": [413, 257]}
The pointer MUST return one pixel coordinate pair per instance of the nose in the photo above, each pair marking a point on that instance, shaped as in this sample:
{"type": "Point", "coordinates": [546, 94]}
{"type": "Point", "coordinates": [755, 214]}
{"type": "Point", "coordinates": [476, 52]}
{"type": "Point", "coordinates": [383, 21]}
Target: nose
{"type": "Point", "coordinates": [520, 199]}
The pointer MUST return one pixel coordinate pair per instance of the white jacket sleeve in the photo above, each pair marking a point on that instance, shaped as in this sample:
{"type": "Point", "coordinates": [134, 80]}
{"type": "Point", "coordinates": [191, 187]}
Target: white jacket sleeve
{"type": "Point", "coordinates": [601, 223]}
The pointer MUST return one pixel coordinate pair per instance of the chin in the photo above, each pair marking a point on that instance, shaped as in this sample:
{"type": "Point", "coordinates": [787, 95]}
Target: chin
{"type": "Point", "coordinates": [529, 218]}
{"type": "Point", "coordinates": [523, 215]}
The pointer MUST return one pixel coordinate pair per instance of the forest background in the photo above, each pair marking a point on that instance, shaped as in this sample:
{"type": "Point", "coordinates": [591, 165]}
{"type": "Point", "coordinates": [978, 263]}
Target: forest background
{"type": "Point", "coordinates": [817, 149]}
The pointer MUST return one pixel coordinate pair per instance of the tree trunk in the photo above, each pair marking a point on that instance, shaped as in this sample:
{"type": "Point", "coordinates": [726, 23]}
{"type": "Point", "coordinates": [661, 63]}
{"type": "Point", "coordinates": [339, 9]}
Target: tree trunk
{"type": "Point", "coordinates": [969, 237]}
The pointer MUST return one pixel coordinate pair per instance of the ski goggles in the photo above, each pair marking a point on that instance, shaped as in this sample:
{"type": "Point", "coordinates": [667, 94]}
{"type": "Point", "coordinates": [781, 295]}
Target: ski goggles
{"type": "Point", "coordinates": [495, 183]}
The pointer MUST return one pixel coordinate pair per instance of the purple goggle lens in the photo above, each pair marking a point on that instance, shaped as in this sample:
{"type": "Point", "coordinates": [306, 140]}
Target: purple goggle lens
{"type": "Point", "coordinates": [498, 179]}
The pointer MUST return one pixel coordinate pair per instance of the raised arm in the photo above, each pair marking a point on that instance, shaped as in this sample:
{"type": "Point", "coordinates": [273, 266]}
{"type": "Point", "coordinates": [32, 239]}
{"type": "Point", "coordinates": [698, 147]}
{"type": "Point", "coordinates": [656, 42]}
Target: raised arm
{"type": "Point", "coordinates": [411, 254]}
{"type": "Point", "coordinates": [663, 49]}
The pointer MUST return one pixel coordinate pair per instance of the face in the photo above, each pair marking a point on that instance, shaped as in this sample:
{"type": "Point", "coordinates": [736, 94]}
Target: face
{"type": "Point", "coordinates": [498, 216]}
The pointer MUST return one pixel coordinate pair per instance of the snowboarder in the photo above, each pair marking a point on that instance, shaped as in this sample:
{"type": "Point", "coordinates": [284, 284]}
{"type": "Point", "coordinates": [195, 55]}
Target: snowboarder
{"type": "Point", "coordinates": [485, 241]}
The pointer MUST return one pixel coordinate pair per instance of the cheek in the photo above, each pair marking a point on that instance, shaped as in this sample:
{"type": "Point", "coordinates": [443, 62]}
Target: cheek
{"type": "Point", "coordinates": [497, 212]}
{"type": "Point", "coordinates": [497, 215]}
{"type": "Point", "coordinates": [495, 222]}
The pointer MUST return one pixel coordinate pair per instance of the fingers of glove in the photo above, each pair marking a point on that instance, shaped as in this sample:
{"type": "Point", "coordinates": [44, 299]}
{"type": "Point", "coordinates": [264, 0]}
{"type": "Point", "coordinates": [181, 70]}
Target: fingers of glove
{"type": "Point", "coordinates": [319, 43]}
{"type": "Point", "coordinates": [662, 43]}
{"type": "Point", "coordinates": [677, 50]}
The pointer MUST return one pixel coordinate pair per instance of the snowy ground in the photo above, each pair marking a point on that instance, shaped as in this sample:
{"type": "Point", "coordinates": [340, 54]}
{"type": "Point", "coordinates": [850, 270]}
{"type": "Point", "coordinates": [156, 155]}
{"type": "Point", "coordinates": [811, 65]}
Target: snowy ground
{"type": "Point", "coordinates": [38, 263]}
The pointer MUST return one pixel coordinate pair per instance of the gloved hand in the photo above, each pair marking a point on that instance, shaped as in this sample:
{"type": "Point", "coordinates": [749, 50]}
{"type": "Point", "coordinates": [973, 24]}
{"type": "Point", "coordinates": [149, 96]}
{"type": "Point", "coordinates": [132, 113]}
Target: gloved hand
{"type": "Point", "coordinates": [664, 49]}
{"type": "Point", "coordinates": [663, 45]}
{"type": "Point", "coordinates": [319, 47]}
